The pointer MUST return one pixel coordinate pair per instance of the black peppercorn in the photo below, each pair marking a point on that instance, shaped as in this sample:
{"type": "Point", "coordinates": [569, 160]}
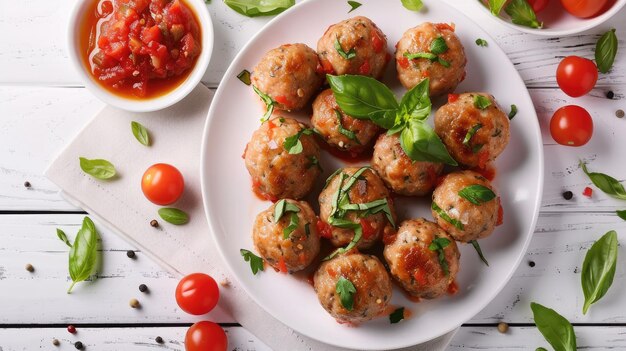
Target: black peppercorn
{"type": "Point", "coordinates": [619, 113]}
{"type": "Point", "coordinates": [56, 342]}
{"type": "Point", "coordinates": [159, 340]}
{"type": "Point", "coordinates": [78, 345]}
{"type": "Point", "coordinates": [27, 184]}
{"type": "Point", "coordinates": [531, 263]}
{"type": "Point", "coordinates": [154, 223]}
{"type": "Point", "coordinates": [610, 94]}
{"type": "Point", "coordinates": [568, 195]}
{"type": "Point", "coordinates": [143, 288]}
{"type": "Point", "coordinates": [130, 254]}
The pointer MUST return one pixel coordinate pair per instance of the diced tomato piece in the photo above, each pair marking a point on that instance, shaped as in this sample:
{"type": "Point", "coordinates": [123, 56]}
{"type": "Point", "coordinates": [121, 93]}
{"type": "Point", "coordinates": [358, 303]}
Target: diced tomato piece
{"type": "Point", "coordinates": [453, 288]}
{"type": "Point", "coordinates": [365, 68]}
{"type": "Point", "coordinates": [324, 229]}
{"type": "Point", "coordinates": [483, 158]}
{"type": "Point", "coordinates": [106, 8]}
{"type": "Point", "coordinates": [588, 192]}
{"type": "Point", "coordinates": [281, 99]}
{"type": "Point", "coordinates": [282, 267]}
{"type": "Point", "coordinates": [404, 62]}
{"type": "Point", "coordinates": [151, 34]}
{"type": "Point", "coordinates": [377, 42]}
{"type": "Point", "coordinates": [420, 276]}
{"type": "Point", "coordinates": [368, 229]}
{"type": "Point", "coordinates": [326, 67]}
{"type": "Point", "coordinates": [453, 97]}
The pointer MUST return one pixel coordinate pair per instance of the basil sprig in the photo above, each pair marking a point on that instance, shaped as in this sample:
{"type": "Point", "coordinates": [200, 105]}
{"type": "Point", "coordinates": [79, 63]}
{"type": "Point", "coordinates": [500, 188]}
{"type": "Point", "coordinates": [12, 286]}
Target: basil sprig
{"type": "Point", "coordinates": [354, 5]}
{"type": "Point", "coordinates": [606, 183]}
{"type": "Point", "coordinates": [348, 133]}
{"type": "Point", "coordinates": [346, 55]}
{"type": "Point", "coordinates": [495, 6]}
{"type": "Point", "coordinates": [140, 132]}
{"type": "Point", "coordinates": [83, 254]}
{"type": "Point", "coordinates": [446, 217]}
{"type": "Point", "coordinates": [437, 47]}
{"type": "Point", "coordinates": [413, 5]}
{"type": "Point", "coordinates": [479, 251]}
{"type": "Point", "coordinates": [522, 13]}
{"type": "Point", "coordinates": [173, 215]}
{"type": "Point", "coordinates": [269, 104]}
{"type": "Point", "coordinates": [557, 330]}
{"type": "Point", "coordinates": [256, 262]}
{"type": "Point", "coordinates": [366, 98]}
{"type": "Point", "coordinates": [346, 291]}
{"type": "Point", "coordinates": [477, 194]}
{"type": "Point", "coordinates": [98, 168]}
{"type": "Point", "coordinates": [599, 269]}
{"type": "Point", "coordinates": [606, 49]}
{"type": "Point", "coordinates": [438, 244]}
{"type": "Point", "coordinates": [255, 8]}
{"type": "Point", "coordinates": [292, 144]}
{"type": "Point", "coordinates": [396, 316]}
{"type": "Point", "coordinates": [481, 102]}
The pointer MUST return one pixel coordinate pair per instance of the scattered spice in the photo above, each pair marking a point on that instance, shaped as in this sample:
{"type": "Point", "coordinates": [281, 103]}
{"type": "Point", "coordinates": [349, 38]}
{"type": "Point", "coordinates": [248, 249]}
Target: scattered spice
{"type": "Point", "coordinates": [78, 345]}
{"type": "Point", "coordinates": [56, 342]}
{"type": "Point", "coordinates": [225, 283]}
{"type": "Point", "coordinates": [531, 263]}
{"type": "Point", "coordinates": [610, 94]}
{"type": "Point", "coordinates": [154, 223]}
{"type": "Point", "coordinates": [134, 303]}
{"type": "Point", "coordinates": [29, 267]}
{"type": "Point", "coordinates": [619, 113]}
{"type": "Point", "coordinates": [568, 195]}
{"type": "Point", "coordinates": [71, 329]}
{"type": "Point", "coordinates": [27, 184]}
{"type": "Point", "coordinates": [588, 192]}
{"type": "Point", "coordinates": [159, 340]}
{"type": "Point", "coordinates": [503, 327]}
{"type": "Point", "coordinates": [143, 288]}
{"type": "Point", "coordinates": [130, 254]}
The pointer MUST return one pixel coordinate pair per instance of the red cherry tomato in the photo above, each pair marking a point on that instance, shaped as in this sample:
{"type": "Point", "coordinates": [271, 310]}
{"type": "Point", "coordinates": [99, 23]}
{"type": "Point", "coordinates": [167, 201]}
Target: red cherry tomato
{"type": "Point", "coordinates": [584, 8]}
{"type": "Point", "coordinates": [206, 336]}
{"type": "Point", "coordinates": [576, 76]}
{"type": "Point", "coordinates": [162, 184]}
{"type": "Point", "coordinates": [538, 5]}
{"type": "Point", "coordinates": [571, 125]}
{"type": "Point", "coordinates": [197, 293]}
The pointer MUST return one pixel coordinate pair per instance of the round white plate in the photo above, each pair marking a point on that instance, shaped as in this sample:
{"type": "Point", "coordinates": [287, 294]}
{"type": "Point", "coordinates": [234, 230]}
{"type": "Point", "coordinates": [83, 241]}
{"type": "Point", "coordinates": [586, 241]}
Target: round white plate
{"type": "Point", "coordinates": [231, 206]}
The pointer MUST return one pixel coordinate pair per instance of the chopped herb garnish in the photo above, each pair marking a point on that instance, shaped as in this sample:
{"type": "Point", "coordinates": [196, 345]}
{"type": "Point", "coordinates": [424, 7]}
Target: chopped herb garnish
{"type": "Point", "coordinates": [315, 163]}
{"type": "Point", "coordinates": [477, 194]}
{"type": "Point", "coordinates": [283, 207]}
{"type": "Point", "coordinates": [292, 144]}
{"type": "Point", "coordinates": [256, 262]}
{"type": "Point", "coordinates": [346, 291]}
{"type": "Point", "coordinates": [476, 148]}
{"type": "Point", "coordinates": [348, 133]}
{"type": "Point", "coordinates": [481, 102]}
{"type": "Point", "coordinates": [244, 77]}
{"type": "Point", "coordinates": [293, 225]}
{"type": "Point", "coordinates": [513, 112]}
{"type": "Point", "coordinates": [424, 55]}
{"type": "Point", "coordinates": [446, 217]}
{"type": "Point", "coordinates": [479, 251]}
{"type": "Point", "coordinates": [438, 244]}
{"type": "Point", "coordinates": [443, 62]}
{"type": "Point", "coordinates": [481, 42]}
{"type": "Point", "coordinates": [397, 315]}
{"type": "Point", "coordinates": [438, 46]}
{"type": "Point", "coordinates": [346, 55]}
{"type": "Point", "coordinates": [470, 133]}
{"type": "Point", "coordinates": [354, 5]}
{"type": "Point", "coordinates": [269, 103]}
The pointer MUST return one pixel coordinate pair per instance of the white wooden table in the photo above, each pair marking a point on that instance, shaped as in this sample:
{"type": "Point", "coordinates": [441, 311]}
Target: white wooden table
{"type": "Point", "coordinates": [43, 105]}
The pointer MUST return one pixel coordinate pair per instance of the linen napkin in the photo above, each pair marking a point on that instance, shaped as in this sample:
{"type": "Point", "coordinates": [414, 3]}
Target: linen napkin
{"type": "Point", "coordinates": [176, 135]}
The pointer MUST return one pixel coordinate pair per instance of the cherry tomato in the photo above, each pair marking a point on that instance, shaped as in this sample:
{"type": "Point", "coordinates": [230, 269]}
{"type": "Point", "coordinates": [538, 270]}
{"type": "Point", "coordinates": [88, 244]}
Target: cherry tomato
{"type": "Point", "coordinates": [197, 293]}
{"type": "Point", "coordinates": [576, 76]}
{"type": "Point", "coordinates": [162, 184]}
{"type": "Point", "coordinates": [571, 125]}
{"type": "Point", "coordinates": [206, 336]}
{"type": "Point", "coordinates": [584, 8]}
{"type": "Point", "coordinates": [538, 5]}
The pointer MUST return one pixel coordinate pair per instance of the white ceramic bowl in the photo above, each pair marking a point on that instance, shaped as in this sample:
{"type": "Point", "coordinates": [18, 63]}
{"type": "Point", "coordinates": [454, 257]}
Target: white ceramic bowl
{"type": "Point", "coordinates": [142, 105]}
{"type": "Point", "coordinates": [557, 21]}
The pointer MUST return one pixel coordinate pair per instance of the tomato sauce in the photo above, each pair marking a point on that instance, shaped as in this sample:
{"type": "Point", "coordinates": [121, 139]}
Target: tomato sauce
{"type": "Point", "coordinates": [140, 48]}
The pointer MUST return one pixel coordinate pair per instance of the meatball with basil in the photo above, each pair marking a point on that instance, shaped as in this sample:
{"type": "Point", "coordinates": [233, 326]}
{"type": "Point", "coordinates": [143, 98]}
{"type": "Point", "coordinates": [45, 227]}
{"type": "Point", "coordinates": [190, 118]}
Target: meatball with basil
{"type": "Point", "coordinates": [338, 129]}
{"type": "Point", "coordinates": [423, 258]}
{"type": "Point", "coordinates": [285, 235]}
{"type": "Point", "coordinates": [290, 75]}
{"type": "Point", "coordinates": [353, 287]}
{"type": "Point", "coordinates": [354, 46]}
{"type": "Point", "coordinates": [282, 159]}
{"type": "Point", "coordinates": [431, 50]}
{"type": "Point", "coordinates": [473, 128]}
{"type": "Point", "coordinates": [355, 203]}
{"type": "Point", "coordinates": [466, 206]}
{"type": "Point", "coordinates": [401, 174]}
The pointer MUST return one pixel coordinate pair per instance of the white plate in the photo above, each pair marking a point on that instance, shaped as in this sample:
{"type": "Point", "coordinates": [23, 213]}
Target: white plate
{"type": "Point", "coordinates": [231, 206]}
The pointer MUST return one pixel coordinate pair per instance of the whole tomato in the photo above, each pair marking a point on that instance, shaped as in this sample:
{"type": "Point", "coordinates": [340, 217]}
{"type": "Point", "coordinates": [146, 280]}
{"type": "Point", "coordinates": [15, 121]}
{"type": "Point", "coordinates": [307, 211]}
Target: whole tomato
{"type": "Point", "coordinates": [584, 8]}
{"type": "Point", "coordinates": [571, 125]}
{"type": "Point", "coordinates": [576, 75]}
{"type": "Point", "coordinates": [206, 336]}
{"type": "Point", "coordinates": [162, 184]}
{"type": "Point", "coordinates": [197, 293]}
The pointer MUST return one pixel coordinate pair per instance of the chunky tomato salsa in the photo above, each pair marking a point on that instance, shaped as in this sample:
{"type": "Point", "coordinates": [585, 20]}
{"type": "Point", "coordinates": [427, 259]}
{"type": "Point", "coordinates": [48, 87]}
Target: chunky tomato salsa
{"type": "Point", "coordinates": [140, 48]}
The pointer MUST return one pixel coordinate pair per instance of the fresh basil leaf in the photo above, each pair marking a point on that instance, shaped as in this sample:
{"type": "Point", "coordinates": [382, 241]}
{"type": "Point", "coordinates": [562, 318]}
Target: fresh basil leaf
{"type": "Point", "coordinates": [477, 194]}
{"type": "Point", "coordinates": [416, 102]}
{"type": "Point", "coordinates": [476, 148]}
{"type": "Point", "coordinates": [621, 214]}
{"type": "Point", "coordinates": [83, 254]}
{"type": "Point", "coordinates": [420, 55]}
{"type": "Point", "coordinates": [470, 133]}
{"type": "Point", "coordinates": [481, 42]}
{"type": "Point", "coordinates": [438, 244]}
{"type": "Point", "coordinates": [358, 233]}
{"type": "Point", "coordinates": [438, 46]}
{"type": "Point", "coordinates": [244, 77]}
{"type": "Point", "coordinates": [599, 269]}
{"type": "Point", "coordinates": [606, 183]}
{"type": "Point", "coordinates": [293, 145]}
{"type": "Point", "coordinates": [557, 330]}
{"type": "Point", "coordinates": [256, 262]}
{"type": "Point", "coordinates": [283, 207]}
{"type": "Point", "coordinates": [365, 98]}
{"type": "Point", "coordinates": [61, 235]}
{"type": "Point", "coordinates": [269, 104]}
{"type": "Point", "coordinates": [173, 215]}
{"type": "Point", "coordinates": [421, 143]}
{"type": "Point", "coordinates": [455, 222]}
{"type": "Point", "coordinates": [606, 49]}
{"type": "Point", "coordinates": [396, 316]}
{"type": "Point", "coordinates": [413, 5]}
{"type": "Point", "coordinates": [98, 168]}
{"type": "Point", "coordinates": [522, 13]}
{"type": "Point", "coordinates": [293, 225]}
{"type": "Point", "coordinates": [140, 132]}
{"type": "Point", "coordinates": [541, 349]}
{"type": "Point", "coordinates": [348, 133]}
{"type": "Point", "coordinates": [255, 8]}
{"type": "Point", "coordinates": [346, 55]}
{"type": "Point", "coordinates": [443, 62]}
{"type": "Point", "coordinates": [354, 5]}
{"type": "Point", "coordinates": [513, 112]}
{"type": "Point", "coordinates": [495, 6]}
{"type": "Point", "coordinates": [346, 291]}
{"type": "Point", "coordinates": [479, 251]}
{"type": "Point", "coordinates": [481, 102]}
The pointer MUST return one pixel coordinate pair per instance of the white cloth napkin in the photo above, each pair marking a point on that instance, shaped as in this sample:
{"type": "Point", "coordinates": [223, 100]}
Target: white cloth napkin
{"type": "Point", "coordinates": [119, 204]}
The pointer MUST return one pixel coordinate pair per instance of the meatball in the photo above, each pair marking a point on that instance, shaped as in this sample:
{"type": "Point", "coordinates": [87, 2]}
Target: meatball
{"type": "Point", "coordinates": [276, 173]}
{"type": "Point", "coordinates": [463, 219]}
{"type": "Point", "coordinates": [445, 71]}
{"type": "Point", "coordinates": [473, 135]}
{"type": "Point", "coordinates": [290, 74]}
{"type": "Point", "coordinates": [362, 188]}
{"type": "Point", "coordinates": [354, 46]}
{"type": "Point", "coordinates": [372, 287]}
{"type": "Point", "coordinates": [413, 255]}
{"type": "Point", "coordinates": [302, 244]}
{"type": "Point", "coordinates": [401, 174]}
{"type": "Point", "coordinates": [338, 129]}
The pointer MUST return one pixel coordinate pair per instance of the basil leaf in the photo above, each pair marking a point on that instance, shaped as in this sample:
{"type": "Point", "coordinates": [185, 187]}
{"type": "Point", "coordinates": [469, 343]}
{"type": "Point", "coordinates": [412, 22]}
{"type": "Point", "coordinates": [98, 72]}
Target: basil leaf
{"type": "Point", "coordinates": [495, 6]}
{"type": "Point", "coordinates": [481, 102]}
{"type": "Point", "coordinates": [522, 13]}
{"type": "Point", "coordinates": [438, 244]}
{"type": "Point", "coordinates": [470, 133]}
{"type": "Point", "coordinates": [268, 101]}
{"type": "Point", "coordinates": [61, 235]}
{"type": "Point", "coordinates": [476, 148]}
{"type": "Point", "coordinates": [413, 5]}
{"type": "Point", "coordinates": [599, 269]}
{"type": "Point", "coordinates": [255, 8]}
{"type": "Point", "coordinates": [419, 55]}
{"type": "Point", "coordinates": [346, 291]}
{"type": "Point", "coordinates": [365, 98]}
{"type": "Point", "coordinates": [293, 225]}
{"type": "Point", "coordinates": [173, 215]}
{"type": "Point", "coordinates": [477, 194]}
{"type": "Point", "coordinates": [481, 42]}
{"type": "Point", "coordinates": [541, 349]}
{"type": "Point", "coordinates": [256, 262]}
{"type": "Point", "coordinates": [354, 5]}
{"type": "Point", "coordinates": [479, 251]}
{"type": "Point", "coordinates": [397, 315]}
{"type": "Point", "coordinates": [83, 254]}
{"type": "Point", "coordinates": [346, 55]}
{"type": "Point", "coordinates": [348, 133]}
{"type": "Point", "coordinates": [557, 330]}
{"type": "Point", "coordinates": [98, 168]}
{"type": "Point", "coordinates": [443, 62]}
{"type": "Point", "coordinates": [416, 102]}
{"type": "Point", "coordinates": [141, 133]}
{"type": "Point", "coordinates": [358, 233]}
{"type": "Point", "coordinates": [293, 144]}
{"type": "Point", "coordinates": [513, 112]}
{"type": "Point", "coordinates": [420, 143]}
{"type": "Point", "coordinates": [606, 183]}
{"type": "Point", "coordinates": [621, 214]}
{"type": "Point", "coordinates": [244, 77]}
{"type": "Point", "coordinates": [438, 46]}
{"type": "Point", "coordinates": [446, 217]}
{"type": "Point", "coordinates": [606, 49]}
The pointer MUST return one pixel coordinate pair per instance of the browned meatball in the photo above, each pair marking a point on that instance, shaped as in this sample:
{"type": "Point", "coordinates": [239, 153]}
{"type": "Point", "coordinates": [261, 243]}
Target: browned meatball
{"type": "Point", "coordinates": [401, 174]}
{"type": "Point", "coordinates": [276, 173]}
{"type": "Point", "coordinates": [338, 129]}
{"type": "Point", "coordinates": [445, 72]}
{"type": "Point", "coordinates": [290, 74]}
{"type": "Point", "coordinates": [414, 260]}
{"type": "Point", "coordinates": [366, 188]}
{"type": "Point", "coordinates": [363, 45]}
{"type": "Point", "coordinates": [456, 120]}
{"type": "Point", "coordinates": [371, 282]}
{"type": "Point", "coordinates": [302, 244]}
{"type": "Point", "coordinates": [462, 219]}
